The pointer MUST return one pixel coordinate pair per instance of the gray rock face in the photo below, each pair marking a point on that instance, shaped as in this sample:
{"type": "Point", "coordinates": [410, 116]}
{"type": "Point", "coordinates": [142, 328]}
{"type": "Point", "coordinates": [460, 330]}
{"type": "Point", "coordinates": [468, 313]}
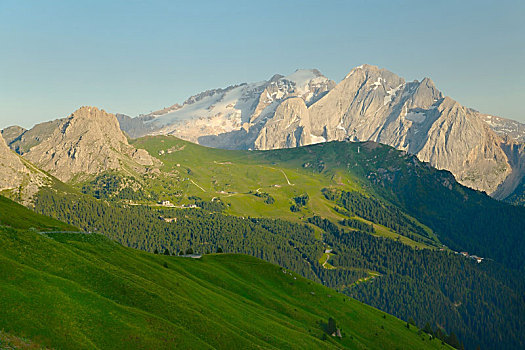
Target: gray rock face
{"type": "Point", "coordinates": [290, 126]}
{"type": "Point", "coordinates": [506, 128]}
{"type": "Point", "coordinates": [368, 104]}
{"type": "Point", "coordinates": [88, 142]}
{"type": "Point", "coordinates": [11, 167]}
{"type": "Point", "coordinates": [12, 132]}
{"type": "Point", "coordinates": [134, 127]}
{"type": "Point", "coordinates": [374, 104]}
{"type": "Point", "coordinates": [17, 177]}
{"type": "Point", "coordinates": [21, 140]}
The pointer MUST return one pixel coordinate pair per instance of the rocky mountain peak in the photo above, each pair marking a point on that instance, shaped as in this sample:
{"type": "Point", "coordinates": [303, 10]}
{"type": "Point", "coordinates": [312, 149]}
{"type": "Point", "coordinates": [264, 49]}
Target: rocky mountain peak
{"type": "Point", "coordinates": [88, 142]}
{"type": "Point", "coordinates": [12, 132]}
{"type": "Point", "coordinates": [369, 104]}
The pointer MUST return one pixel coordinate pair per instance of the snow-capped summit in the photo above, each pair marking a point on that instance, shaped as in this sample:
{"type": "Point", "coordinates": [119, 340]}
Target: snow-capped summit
{"type": "Point", "coordinates": [235, 108]}
{"type": "Point", "coordinates": [370, 103]}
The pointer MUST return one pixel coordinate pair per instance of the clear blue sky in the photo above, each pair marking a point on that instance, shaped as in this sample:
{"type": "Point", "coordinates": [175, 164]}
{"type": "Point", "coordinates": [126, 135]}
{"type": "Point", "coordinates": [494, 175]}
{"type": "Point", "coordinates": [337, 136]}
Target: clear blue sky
{"type": "Point", "coordinates": [133, 57]}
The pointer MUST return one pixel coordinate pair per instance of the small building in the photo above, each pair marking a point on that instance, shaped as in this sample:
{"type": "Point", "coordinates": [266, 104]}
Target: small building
{"type": "Point", "coordinates": [477, 258]}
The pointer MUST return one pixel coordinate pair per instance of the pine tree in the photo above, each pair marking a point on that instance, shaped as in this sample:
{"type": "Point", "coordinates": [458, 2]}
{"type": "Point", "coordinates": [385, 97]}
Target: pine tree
{"type": "Point", "coordinates": [331, 328]}
{"type": "Point", "coordinates": [453, 341]}
{"type": "Point", "coordinates": [427, 329]}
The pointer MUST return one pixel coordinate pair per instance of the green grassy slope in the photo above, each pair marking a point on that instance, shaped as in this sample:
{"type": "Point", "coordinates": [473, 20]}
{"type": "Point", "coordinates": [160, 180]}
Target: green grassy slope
{"type": "Point", "coordinates": [16, 215]}
{"type": "Point", "coordinates": [236, 176]}
{"type": "Point", "coordinates": [457, 216]}
{"type": "Point", "coordinates": [76, 290]}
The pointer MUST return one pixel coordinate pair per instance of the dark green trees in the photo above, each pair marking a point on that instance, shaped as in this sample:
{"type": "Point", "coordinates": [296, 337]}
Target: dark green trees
{"type": "Point", "coordinates": [331, 327]}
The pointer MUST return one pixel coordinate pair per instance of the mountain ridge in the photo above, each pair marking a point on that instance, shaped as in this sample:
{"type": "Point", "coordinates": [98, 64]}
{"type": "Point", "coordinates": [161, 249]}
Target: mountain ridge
{"type": "Point", "coordinates": [372, 103]}
{"type": "Point", "coordinates": [88, 142]}
{"type": "Point", "coordinates": [305, 107]}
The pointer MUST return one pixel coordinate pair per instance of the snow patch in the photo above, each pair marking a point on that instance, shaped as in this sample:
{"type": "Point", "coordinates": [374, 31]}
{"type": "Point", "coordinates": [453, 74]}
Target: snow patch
{"type": "Point", "coordinates": [416, 117]}
{"type": "Point", "coordinates": [302, 77]}
{"type": "Point", "coordinates": [223, 109]}
{"type": "Point", "coordinates": [390, 94]}
{"type": "Point", "coordinates": [377, 83]}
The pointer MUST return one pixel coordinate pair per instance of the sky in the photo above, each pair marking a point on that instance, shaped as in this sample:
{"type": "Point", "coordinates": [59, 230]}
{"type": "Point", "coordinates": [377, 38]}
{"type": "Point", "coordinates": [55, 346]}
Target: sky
{"type": "Point", "coordinates": [135, 57]}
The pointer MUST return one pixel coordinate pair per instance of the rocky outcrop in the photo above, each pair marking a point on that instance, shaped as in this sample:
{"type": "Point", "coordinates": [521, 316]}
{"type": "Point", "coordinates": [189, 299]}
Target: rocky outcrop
{"type": "Point", "coordinates": [88, 142]}
{"type": "Point", "coordinates": [513, 188]}
{"type": "Point", "coordinates": [12, 132]}
{"type": "Point", "coordinates": [290, 127]}
{"type": "Point", "coordinates": [21, 140]}
{"type": "Point", "coordinates": [11, 167]}
{"type": "Point", "coordinates": [18, 178]}
{"type": "Point", "coordinates": [373, 104]}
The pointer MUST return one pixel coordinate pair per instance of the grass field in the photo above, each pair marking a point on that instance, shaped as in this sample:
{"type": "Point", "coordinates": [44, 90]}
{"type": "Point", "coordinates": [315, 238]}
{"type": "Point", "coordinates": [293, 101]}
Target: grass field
{"type": "Point", "coordinates": [16, 215]}
{"type": "Point", "coordinates": [77, 290]}
{"type": "Point", "coordinates": [234, 177]}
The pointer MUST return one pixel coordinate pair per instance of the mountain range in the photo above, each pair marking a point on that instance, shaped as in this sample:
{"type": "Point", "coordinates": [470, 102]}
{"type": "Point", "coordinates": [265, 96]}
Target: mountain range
{"type": "Point", "coordinates": [369, 104]}
{"type": "Point", "coordinates": [326, 211]}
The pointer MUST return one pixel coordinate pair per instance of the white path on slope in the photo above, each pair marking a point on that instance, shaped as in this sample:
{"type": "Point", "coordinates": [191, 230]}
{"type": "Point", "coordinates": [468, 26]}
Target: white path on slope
{"type": "Point", "coordinates": [286, 177]}
{"type": "Point", "coordinates": [193, 182]}
{"type": "Point", "coordinates": [282, 171]}
{"type": "Point", "coordinates": [326, 261]}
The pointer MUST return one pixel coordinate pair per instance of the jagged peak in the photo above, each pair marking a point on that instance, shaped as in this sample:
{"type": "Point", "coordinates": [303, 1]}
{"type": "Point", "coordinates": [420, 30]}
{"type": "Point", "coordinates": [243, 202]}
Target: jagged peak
{"type": "Point", "coordinates": [276, 77]}
{"type": "Point", "coordinates": [366, 67]}
{"type": "Point", "coordinates": [90, 113]}
{"type": "Point", "coordinates": [303, 76]}
{"type": "Point", "coordinates": [429, 83]}
{"type": "Point", "coordinates": [208, 93]}
{"type": "Point", "coordinates": [88, 110]}
{"type": "Point", "coordinates": [370, 71]}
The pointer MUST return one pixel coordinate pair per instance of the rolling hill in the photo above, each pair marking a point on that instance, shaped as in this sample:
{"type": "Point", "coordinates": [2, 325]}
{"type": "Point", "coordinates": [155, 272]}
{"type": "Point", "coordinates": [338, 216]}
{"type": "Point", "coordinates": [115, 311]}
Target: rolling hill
{"type": "Point", "coordinates": [80, 290]}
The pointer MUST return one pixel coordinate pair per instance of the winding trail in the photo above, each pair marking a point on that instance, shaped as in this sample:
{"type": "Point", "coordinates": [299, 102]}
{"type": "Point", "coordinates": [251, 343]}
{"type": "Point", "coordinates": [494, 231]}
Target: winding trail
{"type": "Point", "coordinates": [327, 258]}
